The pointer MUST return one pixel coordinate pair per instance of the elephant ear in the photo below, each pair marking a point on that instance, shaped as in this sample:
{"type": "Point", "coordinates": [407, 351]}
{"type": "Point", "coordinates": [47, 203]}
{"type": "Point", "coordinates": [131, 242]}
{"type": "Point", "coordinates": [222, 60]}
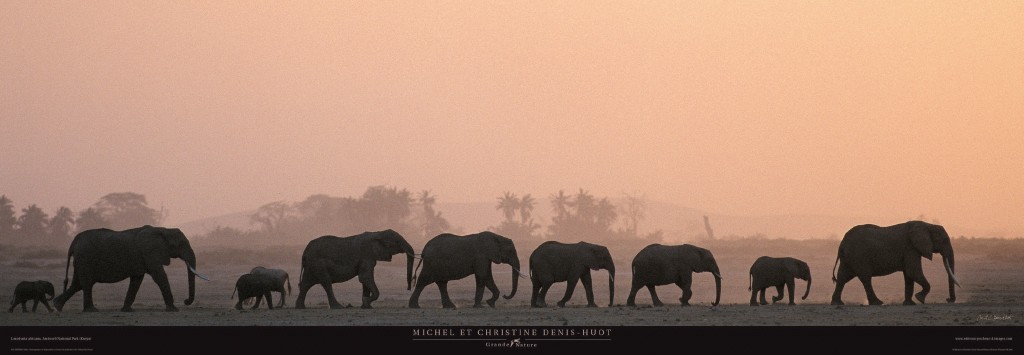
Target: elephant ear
{"type": "Point", "coordinates": [379, 250]}
{"type": "Point", "coordinates": [792, 267]}
{"type": "Point", "coordinates": [492, 249]}
{"type": "Point", "coordinates": [921, 241]}
{"type": "Point", "coordinates": [156, 243]}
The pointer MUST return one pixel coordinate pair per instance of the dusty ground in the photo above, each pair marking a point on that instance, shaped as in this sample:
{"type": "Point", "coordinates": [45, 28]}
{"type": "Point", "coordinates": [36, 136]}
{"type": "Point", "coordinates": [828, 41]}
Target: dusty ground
{"type": "Point", "coordinates": [992, 295]}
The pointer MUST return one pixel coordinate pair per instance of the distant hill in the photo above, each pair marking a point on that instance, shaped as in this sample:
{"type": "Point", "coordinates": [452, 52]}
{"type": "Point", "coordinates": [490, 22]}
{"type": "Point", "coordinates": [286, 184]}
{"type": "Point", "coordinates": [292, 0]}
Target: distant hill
{"type": "Point", "coordinates": [678, 223]}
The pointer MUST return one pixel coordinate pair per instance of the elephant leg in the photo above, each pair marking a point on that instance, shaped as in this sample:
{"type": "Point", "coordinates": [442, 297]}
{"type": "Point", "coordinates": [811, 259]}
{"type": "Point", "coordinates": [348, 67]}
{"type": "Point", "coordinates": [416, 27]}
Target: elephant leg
{"type": "Point", "coordinates": [534, 295]}
{"type": "Point", "coordinates": [331, 300]}
{"type": "Point", "coordinates": [763, 292]}
{"type": "Point", "coordinates": [684, 284]}
{"type": "Point", "coordinates": [47, 305]}
{"type": "Point", "coordinates": [238, 305]}
{"type": "Point", "coordinates": [14, 303]}
{"type": "Point", "coordinates": [160, 277]}
{"type": "Point", "coordinates": [133, 288]}
{"type": "Point", "coordinates": [281, 303]}
{"type": "Point", "coordinates": [414, 300]}
{"type": "Point", "coordinates": [570, 287]}
{"type": "Point", "coordinates": [304, 286]}
{"type": "Point", "coordinates": [35, 305]}
{"type": "Point", "coordinates": [908, 290]}
{"type": "Point", "coordinates": [633, 289]}
{"type": "Point", "coordinates": [790, 284]}
{"type": "Point", "coordinates": [479, 296]}
{"type": "Point", "coordinates": [753, 296]}
{"type": "Point", "coordinates": [654, 296]}
{"type": "Point", "coordinates": [270, 299]}
{"type": "Point", "coordinates": [870, 291]}
{"type": "Point", "coordinates": [258, 299]}
{"type": "Point", "coordinates": [446, 302]}
{"type": "Point", "coordinates": [370, 291]}
{"type": "Point", "coordinates": [24, 308]}
{"type": "Point", "coordinates": [925, 287]}
{"type": "Point", "coordinates": [842, 277]}
{"type": "Point", "coordinates": [489, 283]}
{"type": "Point", "coordinates": [544, 294]}
{"type": "Point", "coordinates": [87, 305]}
{"type": "Point", "coordinates": [914, 273]}
{"type": "Point", "coordinates": [588, 287]}
{"type": "Point", "coordinates": [778, 293]}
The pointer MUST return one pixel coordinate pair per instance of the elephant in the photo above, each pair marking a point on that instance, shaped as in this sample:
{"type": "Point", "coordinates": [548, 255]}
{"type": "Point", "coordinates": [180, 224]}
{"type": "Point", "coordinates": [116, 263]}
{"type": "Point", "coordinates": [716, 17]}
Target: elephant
{"type": "Point", "coordinates": [869, 250]}
{"type": "Point", "coordinates": [559, 262]}
{"type": "Point", "coordinates": [657, 265]}
{"type": "Point", "coordinates": [330, 259]}
{"type": "Point", "coordinates": [35, 291]}
{"type": "Point", "coordinates": [107, 256]}
{"type": "Point", "coordinates": [449, 257]}
{"type": "Point", "coordinates": [768, 271]}
{"type": "Point", "coordinates": [280, 278]}
{"type": "Point", "coordinates": [256, 286]}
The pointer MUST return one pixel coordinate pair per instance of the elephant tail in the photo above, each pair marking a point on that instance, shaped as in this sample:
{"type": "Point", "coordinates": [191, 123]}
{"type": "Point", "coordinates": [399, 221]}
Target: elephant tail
{"type": "Point", "coordinates": [233, 292]}
{"type": "Point", "coordinates": [834, 269]}
{"type": "Point", "coordinates": [67, 266]}
{"type": "Point", "coordinates": [289, 280]}
{"type": "Point", "coordinates": [415, 273]}
{"type": "Point", "coordinates": [751, 285]}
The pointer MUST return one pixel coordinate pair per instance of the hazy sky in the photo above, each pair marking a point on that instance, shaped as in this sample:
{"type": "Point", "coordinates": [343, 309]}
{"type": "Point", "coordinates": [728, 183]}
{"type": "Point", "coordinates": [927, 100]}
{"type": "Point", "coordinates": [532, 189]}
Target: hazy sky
{"type": "Point", "coordinates": [879, 108]}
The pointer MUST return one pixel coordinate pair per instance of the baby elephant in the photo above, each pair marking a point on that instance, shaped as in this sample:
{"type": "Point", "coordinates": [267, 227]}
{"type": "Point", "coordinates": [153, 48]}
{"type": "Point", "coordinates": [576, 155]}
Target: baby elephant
{"type": "Point", "coordinates": [36, 291]}
{"type": "Point", "coordinates": [254, 285]}
{"type": "Point", "coordinates": [767, 272]}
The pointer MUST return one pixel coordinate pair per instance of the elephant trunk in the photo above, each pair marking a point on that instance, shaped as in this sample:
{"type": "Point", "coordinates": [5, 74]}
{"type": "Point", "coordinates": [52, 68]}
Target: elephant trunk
{"type": "Point", "coordinates": [515, 277]}
{"type": "Point", "coordinates": [410, 257]}
{"type": "Point", "coordinates": [190, 261]}
{"type": "Point", "coordinates": [808, 291]}
{"type": "Point", "coordinates": [718, 289]}
{"type": "Point", "coordinates": [950, 264]}
{"type": "Point", "coordinates": [611, 286]}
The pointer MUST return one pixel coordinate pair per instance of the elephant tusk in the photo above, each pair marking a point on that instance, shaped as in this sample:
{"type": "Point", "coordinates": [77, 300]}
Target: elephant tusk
{"type": "Point", "coordinates": [201, 276]}
{"type": "Point", "coordinates": [951, 274]}
{"type": "Point", "coordinates": [717, 275]}
{"type": "Point", "coordinates": [520, 274]}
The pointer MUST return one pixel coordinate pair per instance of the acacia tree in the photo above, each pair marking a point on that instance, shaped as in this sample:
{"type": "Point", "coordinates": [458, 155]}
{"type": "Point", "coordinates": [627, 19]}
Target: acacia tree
{"type": "Point", "coordinates": [125, 210]}
{"type": "Point", "coordinates": [90, 218]}
{"type": "Point", "coordinates": [271, 216]}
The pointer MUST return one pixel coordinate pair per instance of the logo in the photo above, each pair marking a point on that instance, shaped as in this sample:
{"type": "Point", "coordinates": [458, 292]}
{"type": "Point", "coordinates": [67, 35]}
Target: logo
{"type": "Point", "coordinates": [515, 343]}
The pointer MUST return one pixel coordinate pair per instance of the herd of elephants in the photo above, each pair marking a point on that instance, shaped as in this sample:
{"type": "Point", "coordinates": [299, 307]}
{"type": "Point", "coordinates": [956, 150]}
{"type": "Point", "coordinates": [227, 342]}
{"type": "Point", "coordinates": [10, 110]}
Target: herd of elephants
{"type": "Point", "coordinates": [108, 256]}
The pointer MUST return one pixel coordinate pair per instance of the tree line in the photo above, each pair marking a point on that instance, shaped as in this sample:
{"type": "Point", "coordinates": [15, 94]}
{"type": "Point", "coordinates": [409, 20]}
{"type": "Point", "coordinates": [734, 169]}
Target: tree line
{"type": "Point", "coordinates": [576, 216]}
{"type": "Point", "coordinates": [119, 210]}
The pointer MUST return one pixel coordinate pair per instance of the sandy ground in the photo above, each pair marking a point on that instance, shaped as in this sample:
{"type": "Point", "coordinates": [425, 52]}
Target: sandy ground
{"type": "Point", "coordinates": [992, 295]}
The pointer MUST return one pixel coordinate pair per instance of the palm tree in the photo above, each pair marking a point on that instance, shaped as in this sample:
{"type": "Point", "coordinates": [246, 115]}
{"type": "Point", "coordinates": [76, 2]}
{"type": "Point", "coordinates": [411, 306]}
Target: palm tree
{"type": "Point", "coordinates": [508, 204]}
{"type": "Point", "coordinates": [62, 224]}
{"type": "Point", "coordinates": [560, 203]}
{"type": "Point", "coordinates": [526, 208]}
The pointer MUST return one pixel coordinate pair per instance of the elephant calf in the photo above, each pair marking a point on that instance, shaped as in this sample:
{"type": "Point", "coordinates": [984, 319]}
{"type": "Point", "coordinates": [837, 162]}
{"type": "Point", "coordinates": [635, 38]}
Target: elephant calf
{"type": "Point", "coordinates": [254, 285]}
{"type": "Point", "coordinates": [778, 272]}
{"type": "Point", "coordinates": [35, 291]}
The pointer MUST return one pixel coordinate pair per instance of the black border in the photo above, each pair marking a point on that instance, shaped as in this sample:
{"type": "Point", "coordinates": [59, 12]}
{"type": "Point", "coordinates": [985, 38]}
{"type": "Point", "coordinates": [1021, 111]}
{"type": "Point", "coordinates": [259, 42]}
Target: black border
{"type": "Point", "coordinates": [722, 339]}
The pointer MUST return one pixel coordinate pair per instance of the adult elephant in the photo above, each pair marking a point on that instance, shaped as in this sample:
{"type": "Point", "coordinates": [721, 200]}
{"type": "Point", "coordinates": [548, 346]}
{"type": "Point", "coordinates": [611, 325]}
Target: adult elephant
{"type": "Point", "coordinates": [778, 272]}
{"type": "Point", "coordinates": [107, 256]}
{"type": "Point", "coordinates": [657, 265]}
{"type": "Point", "coordinates": [330, 259]}
{"type": "Point", "coordinates": [449, 257]}
{"type": "Point", "coordinates": [559, 262]}
{"type": "Point", "coordinates": [280, 280]}
{"type": "Point", "coordinates": [869, 250]}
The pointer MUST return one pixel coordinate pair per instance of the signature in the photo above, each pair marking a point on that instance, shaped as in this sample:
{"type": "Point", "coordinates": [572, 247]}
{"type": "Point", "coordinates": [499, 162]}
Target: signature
{"type": "Point", "coordinates": [995, 317]}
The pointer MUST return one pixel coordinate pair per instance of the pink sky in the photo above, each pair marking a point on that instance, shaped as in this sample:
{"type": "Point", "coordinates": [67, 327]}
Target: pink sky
{"type": "Point", "coordinates": [876, 108]}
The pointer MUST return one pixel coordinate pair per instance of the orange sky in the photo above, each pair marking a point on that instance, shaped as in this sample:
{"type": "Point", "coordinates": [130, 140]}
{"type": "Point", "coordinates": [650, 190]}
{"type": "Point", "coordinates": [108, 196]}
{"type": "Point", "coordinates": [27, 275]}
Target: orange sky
{"type": "Point", "coordinates": [875, 108]}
